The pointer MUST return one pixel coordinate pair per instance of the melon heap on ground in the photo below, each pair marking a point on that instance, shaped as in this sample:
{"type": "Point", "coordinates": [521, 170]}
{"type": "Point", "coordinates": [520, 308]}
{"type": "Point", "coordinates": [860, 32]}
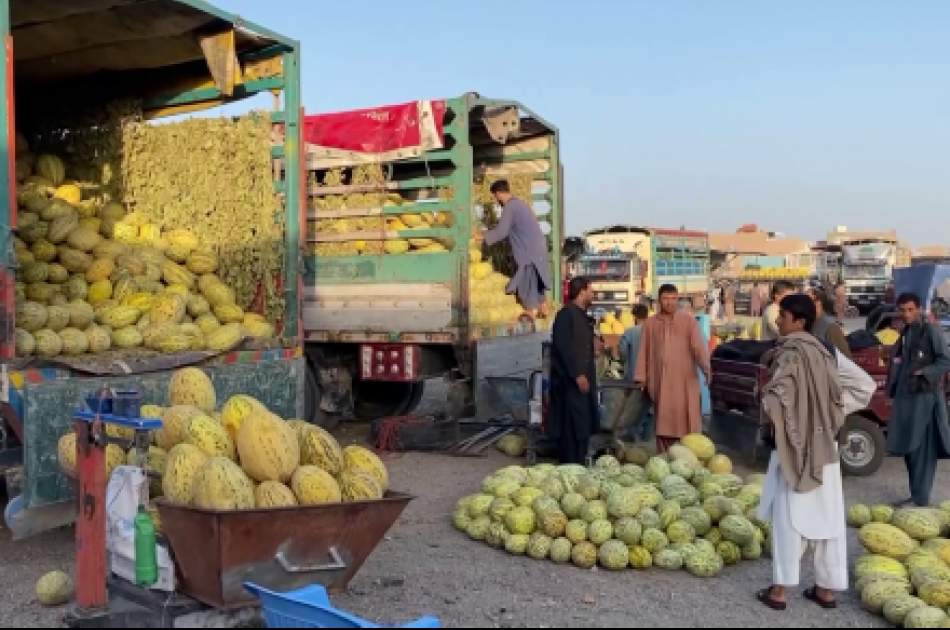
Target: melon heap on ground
{"type": "Point", "coordinates": [671, 512]}
{"type": "Point", "coordinates": [905, 573]}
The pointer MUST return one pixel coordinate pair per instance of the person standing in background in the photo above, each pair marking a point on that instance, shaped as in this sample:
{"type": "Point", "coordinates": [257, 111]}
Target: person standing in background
{"type": "Point", "coordinates": [841, 301]}
{"type": "Point", "coordinates": [671, 348]}
{"type": "Point", "coordinates": [826, 328]}
{"type": "Point", "coordinates": [574, 409]}
{"type": "Point", "coordinates": [756, 302]}
{"type": "Point", "coordinates": [729, 299]}
{"type": "Point", "coordinates": [780, 290]}
{"type": "Point", "coordinates": [919, 429]}
{"type": "Point", "coordinates": [632, 410]}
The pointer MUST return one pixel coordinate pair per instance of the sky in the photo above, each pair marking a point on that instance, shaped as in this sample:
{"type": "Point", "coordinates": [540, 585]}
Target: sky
{"type": "Point", "coordinates": [706, 113]}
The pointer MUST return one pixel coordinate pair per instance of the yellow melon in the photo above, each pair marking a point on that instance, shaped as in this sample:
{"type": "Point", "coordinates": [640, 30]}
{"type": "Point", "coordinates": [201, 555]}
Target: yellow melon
{"type": "Point", "coordinates": [191, 386]}
{"type": "Point", "coordinates": [314, 486]}
{"type": "Point", "coordinates": [268, 447]}
{"type": "Point", "coordinates": [359, 459]}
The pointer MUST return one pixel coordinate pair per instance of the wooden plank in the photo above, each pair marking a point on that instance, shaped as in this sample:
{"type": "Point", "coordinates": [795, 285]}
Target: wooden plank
{"type": "Point", "coordinates": [354, 189]}
{"type": "Point", "coordinates": [538, 167]}
{"type": "Point", "coordinates": [221, 55]}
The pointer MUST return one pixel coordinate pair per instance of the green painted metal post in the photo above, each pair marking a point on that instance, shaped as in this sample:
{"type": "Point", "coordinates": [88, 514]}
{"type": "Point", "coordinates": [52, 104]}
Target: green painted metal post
{"type": "Point", "coordinates": [293, 152]}
{"type": "Point", "coordinates": [556, 218]}
{"type": "Point", "coordinates": [8, 215]}
{"type": "Point", "coordinates": [464, 160]}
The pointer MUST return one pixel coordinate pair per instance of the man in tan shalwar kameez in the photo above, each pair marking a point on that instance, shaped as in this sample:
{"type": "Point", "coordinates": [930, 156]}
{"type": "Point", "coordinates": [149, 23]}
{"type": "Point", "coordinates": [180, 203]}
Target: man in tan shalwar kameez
{"type": "Point", "coordinates": [671, 350]}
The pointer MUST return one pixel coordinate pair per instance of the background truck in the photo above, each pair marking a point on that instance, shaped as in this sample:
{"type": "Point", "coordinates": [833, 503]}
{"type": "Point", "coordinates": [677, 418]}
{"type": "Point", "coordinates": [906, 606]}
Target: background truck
{"type": "Point", "coordinates": [392, 293]}
{"type": "Point", "coordinates": [677, 257]}
{"type": "Point", "coordinates": [71, 73]}
{"type": "Point", "coordinates": [617, 279]}
{"type": "Point", "coordinates": [866, 270]}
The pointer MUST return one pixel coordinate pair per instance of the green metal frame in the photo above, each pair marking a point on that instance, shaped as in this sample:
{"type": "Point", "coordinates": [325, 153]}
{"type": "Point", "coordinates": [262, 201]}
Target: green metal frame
{"type": "Point", "coordinates": [450, 268]}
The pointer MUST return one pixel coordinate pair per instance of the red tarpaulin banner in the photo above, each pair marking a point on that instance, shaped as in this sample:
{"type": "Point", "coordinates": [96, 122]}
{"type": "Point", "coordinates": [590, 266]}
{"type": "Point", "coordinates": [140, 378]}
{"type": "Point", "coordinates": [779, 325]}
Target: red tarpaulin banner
{"type": "Point", "coordinates": [392, 132]}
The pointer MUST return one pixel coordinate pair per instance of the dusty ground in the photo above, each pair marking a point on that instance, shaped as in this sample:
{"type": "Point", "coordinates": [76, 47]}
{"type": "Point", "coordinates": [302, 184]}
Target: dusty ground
{"type": "Point", "coordinates": [425, 567]}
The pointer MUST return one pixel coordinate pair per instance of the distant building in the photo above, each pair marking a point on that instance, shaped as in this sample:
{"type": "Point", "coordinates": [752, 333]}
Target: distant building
{"type": "Point", "coordinates": [750, 247]}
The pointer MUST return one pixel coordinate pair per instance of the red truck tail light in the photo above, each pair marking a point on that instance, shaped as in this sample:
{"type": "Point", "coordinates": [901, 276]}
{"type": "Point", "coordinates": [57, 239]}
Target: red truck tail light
{"type": "Point", "coordinates": [390, 362]}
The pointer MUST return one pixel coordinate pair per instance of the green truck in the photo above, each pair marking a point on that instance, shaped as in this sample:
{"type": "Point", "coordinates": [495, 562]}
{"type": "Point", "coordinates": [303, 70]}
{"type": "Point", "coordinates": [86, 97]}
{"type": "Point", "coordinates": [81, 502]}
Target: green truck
{"type": "Point", "coordinates": [170, 58]}
{"type": "Point", "coordinates": [387, 299]}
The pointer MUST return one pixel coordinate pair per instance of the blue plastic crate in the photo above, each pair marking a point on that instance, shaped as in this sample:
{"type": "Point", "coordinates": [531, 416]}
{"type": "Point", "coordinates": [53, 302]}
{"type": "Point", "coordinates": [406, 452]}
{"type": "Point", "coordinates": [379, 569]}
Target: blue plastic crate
{"type": "Point", "coordinates": [310, 607]}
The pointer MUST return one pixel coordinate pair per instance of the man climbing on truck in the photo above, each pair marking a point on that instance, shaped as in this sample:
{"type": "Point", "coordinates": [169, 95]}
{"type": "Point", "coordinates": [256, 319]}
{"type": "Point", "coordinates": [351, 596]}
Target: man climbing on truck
{"type": "Point", "coordinates": [520, 227]}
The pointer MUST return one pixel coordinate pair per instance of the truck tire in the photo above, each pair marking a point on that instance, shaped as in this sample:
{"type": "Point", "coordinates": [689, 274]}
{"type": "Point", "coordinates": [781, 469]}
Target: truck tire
{"type": "Point", "coordinates": [865, 447]}
{"type": "Point", "coordinates": [312, 398]}
{"type": "Point", "coordinates": [374, 400]}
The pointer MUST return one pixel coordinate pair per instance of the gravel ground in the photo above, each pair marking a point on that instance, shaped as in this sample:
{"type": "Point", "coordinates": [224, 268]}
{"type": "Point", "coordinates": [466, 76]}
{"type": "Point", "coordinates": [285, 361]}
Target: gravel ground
{"type": "Point", "coordinates": [425, 567]}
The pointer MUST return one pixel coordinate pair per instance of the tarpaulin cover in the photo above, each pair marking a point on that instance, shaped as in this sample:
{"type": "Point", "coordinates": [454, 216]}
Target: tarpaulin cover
{"type": "Point", "coordinates": [417, 126]}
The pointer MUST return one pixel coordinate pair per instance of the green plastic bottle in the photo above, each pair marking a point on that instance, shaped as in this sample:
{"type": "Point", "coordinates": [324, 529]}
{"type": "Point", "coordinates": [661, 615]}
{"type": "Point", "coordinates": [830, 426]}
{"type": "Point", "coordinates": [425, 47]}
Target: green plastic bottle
{"type": "Point", "coordinates": [146, 561]}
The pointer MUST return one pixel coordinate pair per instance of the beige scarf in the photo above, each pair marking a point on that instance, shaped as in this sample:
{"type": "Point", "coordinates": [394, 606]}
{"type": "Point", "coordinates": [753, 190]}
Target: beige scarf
{"type": "Point", "coordinates": [803, 403]}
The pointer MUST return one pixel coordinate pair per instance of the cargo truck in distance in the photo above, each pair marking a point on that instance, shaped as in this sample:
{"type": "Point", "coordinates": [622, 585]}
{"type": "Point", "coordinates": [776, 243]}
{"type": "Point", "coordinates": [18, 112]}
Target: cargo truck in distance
{"type": "Point", "coordinates": [629, 264]}
{"type": "Point", "coordinates": [867, 270]}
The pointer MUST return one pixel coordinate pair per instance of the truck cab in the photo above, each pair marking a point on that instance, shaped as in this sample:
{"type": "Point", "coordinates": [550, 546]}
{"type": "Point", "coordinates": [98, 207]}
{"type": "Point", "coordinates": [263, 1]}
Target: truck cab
{"type": "Point", "coordinates": [867, 267]}
{"type": "Point", "coordinates": [616, 278]}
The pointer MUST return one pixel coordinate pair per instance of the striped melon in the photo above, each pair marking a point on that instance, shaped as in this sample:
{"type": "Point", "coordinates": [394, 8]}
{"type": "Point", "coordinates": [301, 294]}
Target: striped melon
{"type": "Point", "coordinates": [208, 435]}
{"type": "Point", "coordinates": [273, 494]}
{"type": "Point", "coordinates": [268, 447]}
{"type": "Point", "coordinates": [220, 484]}
{"type": "Point", "coordinates": [182, 466]}
{"type": "Point", "coordinates": [314, 486]}
{"type": "Point", "coordinates": [318, 448]}
{"type": "Point", "coordinates": [66, 454]}
{"type": "Point", "coordinates": [357, 486]}
{"type": "Point", "coordinates": [359, 459]}
{"type": "Point", "coordinates": [191, 386]}
{"type": "Point", "coordinates": [236, 410]}
{"type": "Point", "coordinates": [174, 430]}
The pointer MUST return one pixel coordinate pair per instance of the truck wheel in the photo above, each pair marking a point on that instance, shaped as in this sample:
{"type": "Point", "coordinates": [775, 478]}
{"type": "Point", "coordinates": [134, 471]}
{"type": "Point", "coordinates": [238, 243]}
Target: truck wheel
{"type": "Point", "coordinates": [312, 397]}
{"type": "Point", "coordinates": [418, 392]}
{"type": "Point", "coordinates": [865, 447]}
{"type": "Point", "coordinates": [374, 400]}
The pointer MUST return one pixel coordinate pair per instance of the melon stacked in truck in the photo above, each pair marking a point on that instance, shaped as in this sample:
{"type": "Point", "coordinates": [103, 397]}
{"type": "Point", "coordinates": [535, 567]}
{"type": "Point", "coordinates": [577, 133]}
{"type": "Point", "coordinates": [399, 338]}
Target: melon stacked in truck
{"type": "Point", "coordinates": [92, 277]}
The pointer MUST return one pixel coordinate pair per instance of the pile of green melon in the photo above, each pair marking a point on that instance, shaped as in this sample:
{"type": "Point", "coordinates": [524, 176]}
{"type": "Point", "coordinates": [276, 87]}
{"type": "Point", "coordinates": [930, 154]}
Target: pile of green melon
{"type": "Point", "coordinates": [905, 575]}
{"type": "Point", "coordinates": [685, 510]}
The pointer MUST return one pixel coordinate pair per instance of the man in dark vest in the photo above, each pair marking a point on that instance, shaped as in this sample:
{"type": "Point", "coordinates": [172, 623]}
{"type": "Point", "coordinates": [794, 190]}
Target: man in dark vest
{"type": "Point", "coordinates": [574, 411]}
{"type": "Point", "coordinates": [919, 429]}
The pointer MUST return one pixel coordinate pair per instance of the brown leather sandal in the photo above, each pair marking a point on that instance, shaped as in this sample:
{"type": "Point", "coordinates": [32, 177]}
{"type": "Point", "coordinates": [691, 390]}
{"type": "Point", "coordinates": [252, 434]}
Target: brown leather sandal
{"type": "Point", "coordinates": [765, 597]}
{"type": "Point", "coordinates": [812, 595]}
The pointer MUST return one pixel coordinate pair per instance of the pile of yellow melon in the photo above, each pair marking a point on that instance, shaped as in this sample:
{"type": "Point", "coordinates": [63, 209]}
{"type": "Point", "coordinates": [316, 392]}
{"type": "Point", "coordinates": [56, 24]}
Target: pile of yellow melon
{"type": "Point", "coordinates": [367, 233]}
{"type": "Point", "coordinates": [612, 325]}
{"type": "Point", "coordinates": [242, 456]}
{"type": "Point", "coordinates": [92, 277]}
{"type": "Point", "coordinates": [489, 304]}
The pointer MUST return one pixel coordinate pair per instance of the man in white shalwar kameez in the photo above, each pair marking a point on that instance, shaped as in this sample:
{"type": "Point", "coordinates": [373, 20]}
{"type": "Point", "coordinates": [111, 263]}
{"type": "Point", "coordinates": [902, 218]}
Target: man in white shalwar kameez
{"type": "Point", "coordinates": [802, 496]}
